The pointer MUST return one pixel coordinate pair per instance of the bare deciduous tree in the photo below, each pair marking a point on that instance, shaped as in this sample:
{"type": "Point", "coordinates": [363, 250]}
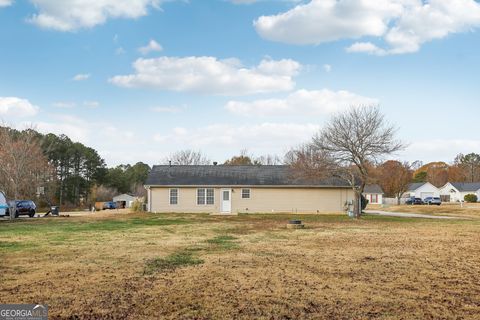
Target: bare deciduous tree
{"type": "Point", "coordinates": [103, 193]}
{"type": "Point", "coordinates": [187, 157]}
{"type": "Point", "coordinates": [23, 166]}
{"type": "Point", "coordinates": [348, 146]}
{"type": "Point", "coordinates": [267, 160]}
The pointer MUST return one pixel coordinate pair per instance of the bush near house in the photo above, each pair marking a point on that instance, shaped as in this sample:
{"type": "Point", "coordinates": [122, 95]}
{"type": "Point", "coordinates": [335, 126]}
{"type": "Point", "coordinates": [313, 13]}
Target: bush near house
{"type": "Point", "coordinates": [471, 198]}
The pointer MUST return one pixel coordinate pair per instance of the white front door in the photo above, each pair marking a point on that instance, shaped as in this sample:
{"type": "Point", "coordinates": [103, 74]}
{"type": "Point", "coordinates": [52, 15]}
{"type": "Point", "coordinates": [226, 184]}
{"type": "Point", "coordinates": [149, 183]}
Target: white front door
{"type": "Point", "coordinates": [226, 200]}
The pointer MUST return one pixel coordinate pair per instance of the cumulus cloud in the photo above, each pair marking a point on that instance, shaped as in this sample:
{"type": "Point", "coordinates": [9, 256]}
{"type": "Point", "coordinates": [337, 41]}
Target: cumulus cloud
{"type": "Point", "coordinates": [17, 107]}
{"type": "Point", "coordinates": [170, 109]}
{"type": "Point", "coordinates": [106, 141]}
{"type": "Point", "coordinates": [264, 137]}
{"type": "Point", "coordinates": [439, 149]}
{"type": "Point", "coordinates": [403, 25]}
{"type": "Point", "coordinates": [64, 104]}
{"type": "Point", "coordinates": [208, 75]}
{"type": "Point", "coordinates": [77, 14]}
{"type": "Point", "coordinates": [243, 1]}
{"type": "Point", "coordinates": [5, 3]}
{"type": "Point", "coordinates": [91, 104]}
{"type": "Point", "coordinates": [304, 102]}
{"type": "Point", "coordinates": [81, 77]}
{"type": "Point", "coordinates": [152, 46]}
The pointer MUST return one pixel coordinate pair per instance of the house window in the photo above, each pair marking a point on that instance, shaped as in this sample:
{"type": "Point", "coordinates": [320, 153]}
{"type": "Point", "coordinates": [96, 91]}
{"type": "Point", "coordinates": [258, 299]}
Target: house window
{"type": "Point", "coordinates": [173, 196]}
{"type": "Point", "coordinates": [205, 196]}
{"type": "Point", "coordinates": [210, 196]}
{"type": "Point", "coordinates": [245, 193]}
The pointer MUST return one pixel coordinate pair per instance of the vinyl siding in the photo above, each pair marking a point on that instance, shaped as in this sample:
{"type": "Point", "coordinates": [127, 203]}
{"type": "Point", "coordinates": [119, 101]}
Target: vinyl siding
{"type": "Point", "coordinates": [302, 200]}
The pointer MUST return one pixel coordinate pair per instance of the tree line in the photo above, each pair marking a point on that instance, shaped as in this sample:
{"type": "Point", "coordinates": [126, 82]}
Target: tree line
{"type": "Point", "coordinates": [54, 169]}
{"type": "Point", "coordinates": [352, 146]}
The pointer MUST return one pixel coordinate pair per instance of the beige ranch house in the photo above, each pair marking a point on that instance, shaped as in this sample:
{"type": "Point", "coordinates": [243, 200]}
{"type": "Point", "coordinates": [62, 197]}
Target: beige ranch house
{"type": "Point", "coordinates": [221, 189]}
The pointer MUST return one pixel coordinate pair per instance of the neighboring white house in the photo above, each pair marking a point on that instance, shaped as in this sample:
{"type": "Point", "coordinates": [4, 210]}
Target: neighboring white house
{"type": "Point", "coordinates": [125, 200]}
{"type": "Point", "coordinates": [422, 190]}
{"type": "Point", "coordinates": [456, 191]}
{"type": "Point", "coordinates": [373, 193]}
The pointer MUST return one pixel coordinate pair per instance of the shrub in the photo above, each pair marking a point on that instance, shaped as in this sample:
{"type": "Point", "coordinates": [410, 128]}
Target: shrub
{"type": "Point", "coordinates": [137, 206]}
{"type": "Point", "coordinates": [471, 198]}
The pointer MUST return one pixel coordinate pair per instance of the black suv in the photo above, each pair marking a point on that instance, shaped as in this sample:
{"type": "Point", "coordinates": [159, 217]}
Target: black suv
{"type": "Point", "coordinates": [24, 207]}
{"type": "Point", "coordinates": [413, 200]}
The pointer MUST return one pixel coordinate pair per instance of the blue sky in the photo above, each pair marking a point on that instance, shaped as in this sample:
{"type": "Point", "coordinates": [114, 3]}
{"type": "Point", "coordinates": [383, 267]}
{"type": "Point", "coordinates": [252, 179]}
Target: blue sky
{"type": "Point", "coordinates": [140, 79]}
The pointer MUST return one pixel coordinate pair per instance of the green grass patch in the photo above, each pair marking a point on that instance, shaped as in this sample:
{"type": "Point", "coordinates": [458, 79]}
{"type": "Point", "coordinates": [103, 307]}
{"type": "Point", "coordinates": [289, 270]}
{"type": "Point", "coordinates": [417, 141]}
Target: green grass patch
{"type": "Point", "coordinates": [224, 242]}
{"type": "Point", "coordinates": [71, 226]}
{"type": "Point", "coordinates": [171, 262]}
{"type": "Point", "coordinates": [8, 246]}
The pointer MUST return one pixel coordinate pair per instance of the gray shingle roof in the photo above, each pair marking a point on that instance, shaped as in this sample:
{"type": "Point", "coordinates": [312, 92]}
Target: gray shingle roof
{"type": "Point", "coordinates": [415, 186]}
{"type": "Point", "coordinates": [221, 175]}
{"type": "Point", "coordinates": [466, 186]}
{"type": "Point", "coordinates": [373, 188]}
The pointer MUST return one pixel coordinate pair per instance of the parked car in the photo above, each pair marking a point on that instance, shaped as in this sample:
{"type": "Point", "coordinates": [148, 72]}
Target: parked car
{"type": "Point", "coordinates": [413, 201]}
{"type": "Point", "coordinates": [109, 205]}
{"type": "Point", "coordinates": [24, 207]}
{"type": "Point", "coordinates": [432, 201]}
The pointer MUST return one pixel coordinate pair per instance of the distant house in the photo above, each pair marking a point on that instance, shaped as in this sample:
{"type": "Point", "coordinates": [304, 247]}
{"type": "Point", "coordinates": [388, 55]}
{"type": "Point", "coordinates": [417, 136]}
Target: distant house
{"type": "Point", "coordinates": [456, 191]}
{"type": "Point", "coordinates": [124, 200]}
{"type": "Point", "coordinates": [223, 189]}
{"type": "Point", "coordinates": [373, 193]}
{"type": "Point", "coordinates": [422, 190]}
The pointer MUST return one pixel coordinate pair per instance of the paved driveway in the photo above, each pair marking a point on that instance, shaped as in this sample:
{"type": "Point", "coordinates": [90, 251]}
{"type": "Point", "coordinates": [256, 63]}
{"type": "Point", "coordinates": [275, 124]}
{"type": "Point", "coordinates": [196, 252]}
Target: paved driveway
{"type": "Point", "coordinates": [408, 215]}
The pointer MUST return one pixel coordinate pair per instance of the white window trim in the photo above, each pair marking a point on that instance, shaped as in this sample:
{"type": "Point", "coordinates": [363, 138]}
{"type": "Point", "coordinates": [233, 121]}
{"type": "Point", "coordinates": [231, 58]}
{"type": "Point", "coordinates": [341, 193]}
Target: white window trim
{"type": "Point", "coordinates": [170, 196]}
{"type": "Point", "coordinates": [205, 197]}
{"type": "Point", "coordinates": [249, 193]}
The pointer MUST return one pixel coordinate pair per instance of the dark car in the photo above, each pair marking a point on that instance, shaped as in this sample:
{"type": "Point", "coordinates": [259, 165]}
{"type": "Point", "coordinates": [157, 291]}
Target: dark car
{"type": "Point", "coordinates": [109, 205]}
{"type": "Point", "coordinates": [413, 200]}
{"type": "Point", "coordinates": [24, 207]}
{"type": "Point", "coordinates": [432, 201]}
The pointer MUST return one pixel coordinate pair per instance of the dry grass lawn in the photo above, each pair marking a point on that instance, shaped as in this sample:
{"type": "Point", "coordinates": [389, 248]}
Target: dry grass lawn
{"type": "Point", "coordinates": [471, 210]}
{"type": "Point", "coordinates": [185, 266]}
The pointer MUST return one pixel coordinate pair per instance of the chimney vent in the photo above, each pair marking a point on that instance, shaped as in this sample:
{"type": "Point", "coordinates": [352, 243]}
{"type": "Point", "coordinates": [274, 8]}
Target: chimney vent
{"type": "Point", "coordinates": [170, 163]}
{"type": "Point", "coordinates": [215, 163]}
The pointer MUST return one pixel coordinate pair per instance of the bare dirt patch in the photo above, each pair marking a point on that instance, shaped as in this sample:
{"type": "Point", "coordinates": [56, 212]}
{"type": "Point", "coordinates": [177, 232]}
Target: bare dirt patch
{"type": "Point", "coordinates": [243, 267]}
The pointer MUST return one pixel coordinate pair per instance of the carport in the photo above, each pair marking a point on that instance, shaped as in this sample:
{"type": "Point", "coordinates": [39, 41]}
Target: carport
{"type": "Point", "coordinates": [124, 200]}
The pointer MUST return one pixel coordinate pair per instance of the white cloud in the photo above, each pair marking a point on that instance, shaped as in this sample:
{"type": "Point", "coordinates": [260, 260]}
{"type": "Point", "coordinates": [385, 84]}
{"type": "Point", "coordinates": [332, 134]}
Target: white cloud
{"type": "Point", "coordinates": [5, 3]}
{"type": "Point", "coordinates": [439, 149]}
{"type": "Point", "coordinates": [403, 25]}
{"type": "Point", "coordinates": [152, 46]}
{"type": "Point", "coordinates": [75, 128]}
{"type": "Point", "coordinates": [17, 107]}
{"type": "Point", "coordinates": [76, 14]}
{"type": "Point", "coordinates": [366, 47]}
{"type": "Point", "coordinates": [105, 141]}
{"type": "Point", "coordinates": [170, 109]}
{"type": "Point", "coordinates": [209, 75]}
{"type": "Point", "coordinates": [81, 77]}
{"type": "Point", "coordinates": [91, 104]}
{"type": "Point", "coordinates": [303, 102]}
{"type": "Point", "coordinates": [327, 68]}
{"type": "Point", "coordinates": [119, 51]}
{"type": "Point", "coordinates": [64, 104]}
{"type": "Point", "coordinates": [262, 138]}
{"type": "Point", "coordinates": [243, 1]}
